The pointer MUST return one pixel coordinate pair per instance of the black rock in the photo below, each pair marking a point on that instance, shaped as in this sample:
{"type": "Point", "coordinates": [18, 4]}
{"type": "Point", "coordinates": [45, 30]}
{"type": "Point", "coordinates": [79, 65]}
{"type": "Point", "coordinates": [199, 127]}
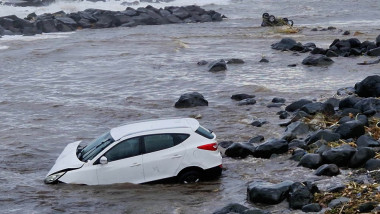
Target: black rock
{"type": "Point", "coordinates": [340, 155]}
{"type": "Point", "coordinates": [345, 33]}
{"type": "Point", "coordinates": [258, 123]}
{"type": "Point", "coordinates": [268, 193]}
{"type": "Point", "coordinates": [350, 111]}
{"type": "Point", "coordinates": [367, 207]}
{"type": "Point", "coordinates": [311, 161]}
{"type": "Point", "coordinates": [345, 91]}
{"type": "Point", "coordinates": [331, 53]}
{"type": "Point", "coordinates": [256, 139]}
{"type": "Point", "coordinates": [297, 105]}
{"type": "Point", "coordinates": [317, 60]}
{"type": "Point", "coordinates": [314, 29]}
{"type": "Point", "coordinates": [284, 44]}
{"type": "Point", "coordinates": [202, 62]}
{"type": "Point", "coordinates": [283, 114]}
{"type": "Point", "coordinates": [239, 150]}
{"type": "Point", "coordinates": [372, 164]}
{"type": "Point", "coordinates": [322, 149]}
{"type": "Point", "coordinates": [298, 154]}
{"type": "Point", "coordinates": [297, 143]}
{"type": "Point", "coordinates": [191, 100]}
{"type": "Point", "coordinates": [348, 102]}
{"type": "Point", "coordinates": [338, 201]}
{"type": "Point", "coordinates": [318, 51]}
{"type": "Point", "coordinates": [275, 105]}
{"type": "Point", "coordinates": [314, 207]}
{"type": "Point", "coordinates": [248, 101]}
{"type": "Point", "coordinates": [369, 87]}
{"type": "Point", "coordinates": [312, 108]}
{"type": "Point", "coordinates": [361, 157]}
{"type": "Point", "coordinates": [328, 170]}
{"type": "Point", "coordinates": [219, 65]}
{"type": "Point", "coordinates": [367, 141]}
{"type": "Point", "coordinates": [225, 144]}
{"type": "Point", "coordinates": [351, 129]}
{"type": "Point", "coordinates": [333, 101]}
{"type": "Point", "coordinates": [310, 45]}
{"type": "Point", "coordinates": [297, 128]}
{"type": "Point", "coordinates": [272, 146]}
{"type": "Point", "coordinates": [231, 208]}
{"type": "Point", "coordinates": [292, 65]}
{"type": "Point", "coordinates": [326, 135]}
{"type": "Point", "coordinates": [239, 97]}
{"type": "Point", "coordinates": [235, 61]}
{"type": "Point", "coordinates": [368, 104]}
{"type": "Point", "coordinates": [299, 195]}
{"type": "Point", "coordinates": [264, 60]}
{"type": "Point", "coordinates": [337, 188]}
{"type": "Point", "coordinates": [374, 52]}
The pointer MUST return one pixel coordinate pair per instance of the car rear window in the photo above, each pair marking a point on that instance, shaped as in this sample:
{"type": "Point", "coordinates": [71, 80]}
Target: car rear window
{"type": "Point", "coordinates": [205, 132]}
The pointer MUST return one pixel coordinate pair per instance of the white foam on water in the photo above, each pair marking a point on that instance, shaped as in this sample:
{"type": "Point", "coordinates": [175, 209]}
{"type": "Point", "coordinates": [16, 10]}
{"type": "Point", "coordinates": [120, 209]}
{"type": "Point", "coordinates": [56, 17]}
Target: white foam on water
{"type": "Point", "coordinates": [3, 47]}
{"type": "Point", "coordinates": [115, 5]}
{"type": "Point", "coordinates": [34, 38]}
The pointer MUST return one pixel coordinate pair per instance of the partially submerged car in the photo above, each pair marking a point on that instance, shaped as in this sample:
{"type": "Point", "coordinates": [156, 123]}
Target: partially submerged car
{"type": "Point", "coordinates": [270, 20]}
{"type": "Point", "coordinates": [141, 152]}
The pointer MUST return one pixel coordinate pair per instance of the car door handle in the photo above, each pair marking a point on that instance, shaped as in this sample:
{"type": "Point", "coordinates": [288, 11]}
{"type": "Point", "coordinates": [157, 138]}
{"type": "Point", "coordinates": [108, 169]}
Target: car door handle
{"type": "Point", "coordinates": [176, 156]}
{"type": "Point", "coordinates": [135, 164]}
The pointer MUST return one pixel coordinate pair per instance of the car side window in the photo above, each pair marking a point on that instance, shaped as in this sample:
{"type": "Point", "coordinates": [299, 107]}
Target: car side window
{"type": "Point", "coordinates": [124, 149]}
{"type": "Point", "coordinates": [159, 142]}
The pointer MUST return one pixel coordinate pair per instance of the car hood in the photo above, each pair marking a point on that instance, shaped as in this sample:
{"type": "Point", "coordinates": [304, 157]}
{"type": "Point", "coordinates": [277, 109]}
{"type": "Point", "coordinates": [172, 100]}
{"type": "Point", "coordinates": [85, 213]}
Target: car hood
{"type": "Point", "coordinates": [67, 159]}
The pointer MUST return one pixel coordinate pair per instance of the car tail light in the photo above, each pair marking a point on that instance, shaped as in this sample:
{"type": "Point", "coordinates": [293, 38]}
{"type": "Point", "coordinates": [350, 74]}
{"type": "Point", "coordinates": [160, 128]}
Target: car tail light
{"type": "Point", "coordinates": [211, 147]}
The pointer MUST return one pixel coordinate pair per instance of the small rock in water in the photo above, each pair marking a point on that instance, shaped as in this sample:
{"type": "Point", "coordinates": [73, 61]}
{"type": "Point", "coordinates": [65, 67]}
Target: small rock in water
{"type": "Point", "coordinates": [268, 193]}
{"type": "Point", "coordinates": [264, 60]}
{"type": "Point", "coordinates": [317, 60]}
{"type": "Point", "coordinates": [248, 101]}
{"type": "Point", "coordinates": [328, 170]}
{"type": "Point", "coordinates": [278, 100]}
{"type": "Point", "coordinates": [219, 65]}
{"type": "Point", "coordinates": [191, 100]}
{"type": "Point", "coordinates": [314, 207]}
{"type": "Point", "coordinates": [346, 33]}
{"type": "Point", "coordinates": [202, 62]}
{"type": "Point", "coordinates": [258, 123]}
{"type": "Point", "coordinates": [292, 65]}
{"type": "Point", "coordinates": [235, 61]}
{"type": "Point", "coordinates": [239, 97]}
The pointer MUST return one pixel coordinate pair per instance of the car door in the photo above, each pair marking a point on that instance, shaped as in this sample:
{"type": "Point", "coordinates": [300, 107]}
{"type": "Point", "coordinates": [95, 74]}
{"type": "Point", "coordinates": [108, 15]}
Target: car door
{"type": "Point", "coordinates": [124, 163]}
{"type": "Point", "coordinates": [162, 156]}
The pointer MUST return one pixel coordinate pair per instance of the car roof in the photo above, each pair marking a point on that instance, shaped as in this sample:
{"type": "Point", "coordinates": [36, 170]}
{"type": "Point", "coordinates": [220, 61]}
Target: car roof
{"type": "Point", "coordinates": [153, 125]}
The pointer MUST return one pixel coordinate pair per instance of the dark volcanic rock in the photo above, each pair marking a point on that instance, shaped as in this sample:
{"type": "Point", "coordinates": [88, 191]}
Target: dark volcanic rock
{"type": "Point", "coordinates": [340, 155]}
{"type": "Point", "coordinates": [239, 97]}
{"type": "Point", "coordinates": [272, 146]}
{"type": "Point", "coordinates": [283, 114]}
{"type": "Point", "coordinates": [297, 105]}
{"type": "Point", "coordinates": [225, 144]}
{"type": "Point", "coordinates": [239, 150]}
{"type": "Point", "coordinates": [268, 193]}
{"type": "Point", "coordinates": [235, 61]}
{"type": "Point", "coordinates": [378, 41]}
{"type": "Point", "coordinates": [284, 44]}
{"type": "Point", "coordinates": [239, 209]}
{"type": "Point", "coordinates": [297, 143]}
{"type": "Point", "coordinates": [328, 170]}
{"type": "Point", "coordinates": [191, 100]}
{"type": "Point", "coordinates": [278, 100]}
{"type": "Point", "coordinates": [258, 123]}
{"type": "Point", "coordinates": [296, 129]}
{"type": "Point", "coordinates": [219, 65]}
{"type": "Point", "coordinates": [374, 52]}
{"type": "Point", "coordinates": [326, 135]}
{"type": "Point", "coordinates": [369, 87]}
{"type": "Point", "coordinates": [311, 161]}
{"type": "Point", "coordinates": [372, 164]}
{"type": "Point", "coordinates": [298, 154]}
{"type": "Point", "coordinates": [368, 104]}
{"type": "Point", "coordinates": [299, 196]}
{"type": "Point", "coordinates": [317, 60]}
{"type": "Point", "coordinates": [338, 202]}
{"type": "Point", "coordinates": [367, 207]}
{"type": "Point", "coordinates": [264, 60]}
{"type": "Point", "coordinates": [314, 207]}
{"type": "Point", "coordinates": [248, 101]}
{"type": "Point", "coordinates": [312, 108]}
{"type": "Point", "coordinates": [361, 157]}
{"type": "Point", "coordinates": [351, 129]}
{"type": "Point", "coordinates": [257, 139]}
{"type": "Point", "coordinates": [348, 102]}
{"type": "Point", "coordinates": [367, 141]}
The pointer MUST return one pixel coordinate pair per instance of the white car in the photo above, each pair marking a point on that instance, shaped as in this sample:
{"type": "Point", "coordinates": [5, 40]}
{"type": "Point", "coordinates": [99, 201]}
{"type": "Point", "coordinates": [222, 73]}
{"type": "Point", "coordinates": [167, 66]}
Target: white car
{"type": "Point", "coordinates": [141, 152]}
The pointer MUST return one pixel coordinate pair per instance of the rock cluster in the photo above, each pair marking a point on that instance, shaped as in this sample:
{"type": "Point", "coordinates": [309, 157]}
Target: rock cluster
{"type": "Point", "coordinates": [96, 18]}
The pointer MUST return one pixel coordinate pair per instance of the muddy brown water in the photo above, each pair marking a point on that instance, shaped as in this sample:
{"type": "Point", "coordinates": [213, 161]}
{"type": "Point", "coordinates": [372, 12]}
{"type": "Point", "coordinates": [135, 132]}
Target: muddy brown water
{"type": "Point", "coordinates": [59, 88]}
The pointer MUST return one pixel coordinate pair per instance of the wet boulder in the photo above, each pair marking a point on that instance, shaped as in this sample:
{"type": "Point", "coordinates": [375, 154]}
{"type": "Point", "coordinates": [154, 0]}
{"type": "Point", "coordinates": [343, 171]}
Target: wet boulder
{"type": "Point", "coordinates": [298, 154]}
{"type": "Point", "coordinates": [259, 123]}
{"type": "Point", "coordinates": [313, 108]}
{"type": "Point", "coordinates": [296, 129]}
{"type": "Point", "coordinates": [317, 60]}
{"type": "Point", "coordinates": [314, 207]}
{"type": "Point", "coordinates": [240, 209]}
{"type": "Point", "coordinates": [283, 114]}
{"type": "Point", "coordinates": [345, 91]}
{"type": "Point", "coordinates": [225, 144]}
{"type": "Point", "coordinates": [326, 135]}
{"type": "Point", "coordinates": [374, 52]}
{"type": "Point", "coordinates": [368, 105]}
{"type": "Point", "coordinates": [372, 164]}
{"type": "Point", "coordinates": [284, 44]}
{"type": "Point", "coordinates": [350, 129]}
{"type": "Point", "coordinates": [348, 102]}
{"type": "Point", "coordinates": [297, 143]}
{"type": "Point", "coordinates": [297, 105]}
{"type": "Point", "coordinates": [234, 61]}
{"type": "Point", "coordinates": [327, 170]}
{"type": "Point", "coordinates": [311, 161]}
{"type": "Point", "coordinates": [257, 139]}
{"type": "Point", "coordinates": [219, 65]}
{"type": "Point", "coordinates": [340, 155]}
{"type": "Point", "coordinates": [191, 100]}
{"type": "Point", "coordinates": [338, 201]}
{"type": "Point", "coordinates": [272, 146]}
{"type": "Point", "coordinates": [268, 193]}
{"type": "Point", "coordinates": [361, 157]}
{"type": "Point", "coordinates": [248, 101]}
{"type": "Point", "coordinates": [367, 141]}
{"type": "Point", "coordinates": [331, 53]}
{"type": "Point", "coordinates": [239, 150]}
{"type": "Point", "coordinates": [239, 97]}
{"type": "Point", "coordinates": [369, 87]}
{"type": "Point", "coordinates": [278, 100]}
{"type": "Point", "coordinates": [299, 195]}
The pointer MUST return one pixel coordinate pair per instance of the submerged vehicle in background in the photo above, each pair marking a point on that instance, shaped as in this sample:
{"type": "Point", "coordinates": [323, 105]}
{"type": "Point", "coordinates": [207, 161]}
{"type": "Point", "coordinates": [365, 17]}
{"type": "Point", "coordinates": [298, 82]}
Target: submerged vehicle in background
{"type": "Point", "coordinates": [270, 20]}
{"type": "Point", "coordinates": [142, 152]}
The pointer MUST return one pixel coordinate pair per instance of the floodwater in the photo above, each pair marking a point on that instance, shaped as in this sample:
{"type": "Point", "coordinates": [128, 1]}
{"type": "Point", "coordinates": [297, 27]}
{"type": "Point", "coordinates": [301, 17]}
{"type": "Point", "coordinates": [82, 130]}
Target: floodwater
{"type": "Point", "coordinates": [59, 88]}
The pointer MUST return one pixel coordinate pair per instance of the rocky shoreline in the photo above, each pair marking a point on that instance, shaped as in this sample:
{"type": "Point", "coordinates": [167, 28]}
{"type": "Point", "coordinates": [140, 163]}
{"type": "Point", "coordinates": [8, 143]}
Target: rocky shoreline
{"type": "Point", "coordinates": [95, 18]}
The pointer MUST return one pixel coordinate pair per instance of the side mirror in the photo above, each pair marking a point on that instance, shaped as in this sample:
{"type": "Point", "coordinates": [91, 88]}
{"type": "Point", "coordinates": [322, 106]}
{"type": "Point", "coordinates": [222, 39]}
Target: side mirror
{"type": "Point", "coordinates": [103, 160]}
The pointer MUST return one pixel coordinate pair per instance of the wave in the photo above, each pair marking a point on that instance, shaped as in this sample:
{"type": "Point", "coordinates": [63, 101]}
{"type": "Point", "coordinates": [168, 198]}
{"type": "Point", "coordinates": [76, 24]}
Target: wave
{"type": "Point", "coordinates": [70, 6]}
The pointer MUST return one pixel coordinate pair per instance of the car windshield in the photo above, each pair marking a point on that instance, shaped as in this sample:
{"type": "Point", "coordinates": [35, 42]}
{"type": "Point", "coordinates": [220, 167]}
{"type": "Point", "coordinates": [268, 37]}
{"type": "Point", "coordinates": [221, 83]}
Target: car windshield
{"type": "Point", "coordinates": [96, 146]}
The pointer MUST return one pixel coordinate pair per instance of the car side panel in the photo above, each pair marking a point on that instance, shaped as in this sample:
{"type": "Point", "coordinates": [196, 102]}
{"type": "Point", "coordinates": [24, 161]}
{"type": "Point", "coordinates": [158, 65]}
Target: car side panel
{"type": "Point", "coordinates": [84, 175]}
